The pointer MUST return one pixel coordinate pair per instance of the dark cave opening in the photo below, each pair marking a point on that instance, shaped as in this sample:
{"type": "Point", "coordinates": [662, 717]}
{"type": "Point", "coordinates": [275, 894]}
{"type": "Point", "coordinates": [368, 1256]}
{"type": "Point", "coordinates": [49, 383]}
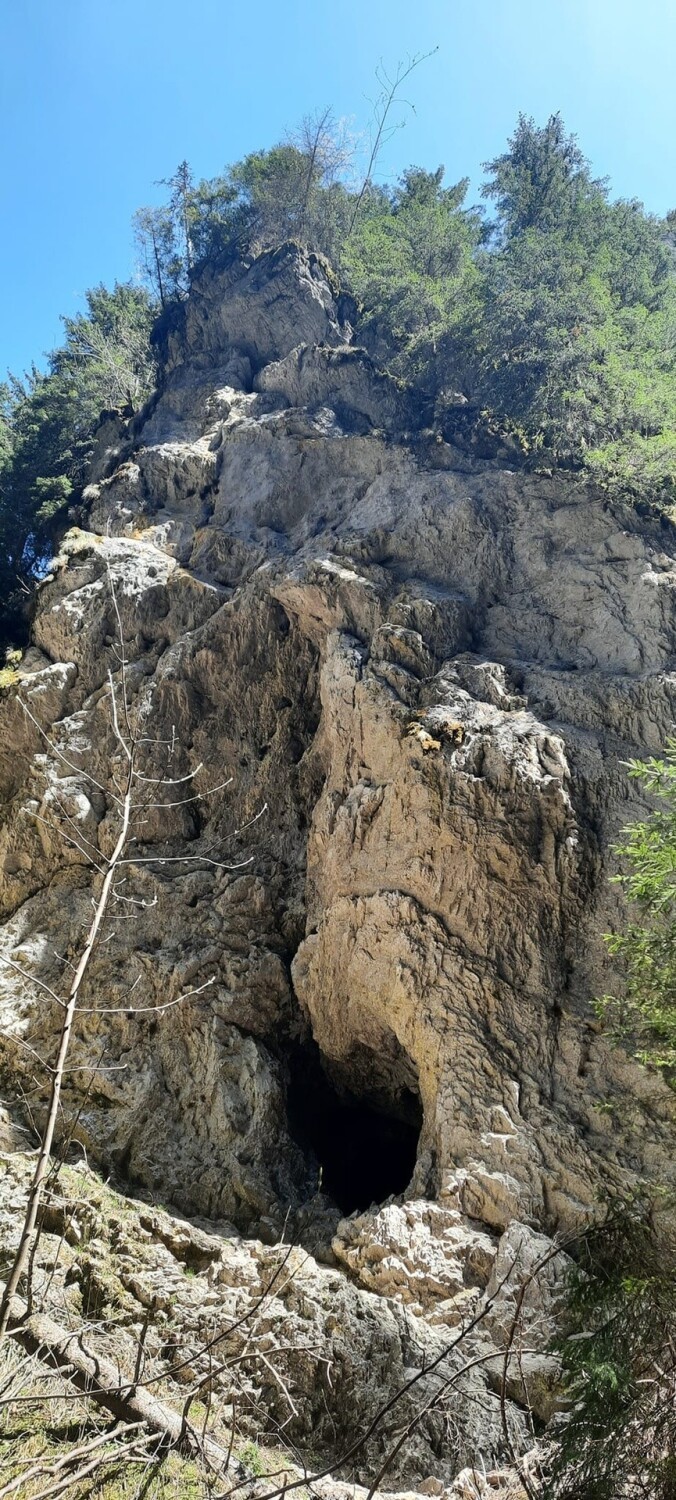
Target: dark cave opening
{"type": "Point", "coordinates": [364, 1145]}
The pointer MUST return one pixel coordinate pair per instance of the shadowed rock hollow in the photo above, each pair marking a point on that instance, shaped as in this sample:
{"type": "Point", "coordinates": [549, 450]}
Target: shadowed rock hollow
{"type": "Point", "coordinates": [429, 671]}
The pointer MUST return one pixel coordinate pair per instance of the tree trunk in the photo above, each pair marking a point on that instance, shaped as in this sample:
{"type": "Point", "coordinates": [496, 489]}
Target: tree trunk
{"type": "Point", "coordinates": [99, 1378]}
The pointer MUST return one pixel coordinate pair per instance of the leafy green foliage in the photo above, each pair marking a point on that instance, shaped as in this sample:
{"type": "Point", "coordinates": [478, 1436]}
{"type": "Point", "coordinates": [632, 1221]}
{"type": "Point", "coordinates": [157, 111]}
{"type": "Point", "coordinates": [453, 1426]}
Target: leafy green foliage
{"type": "Point", "coordinates": [618, 1351]}
{"type": "Point", "coordinates": [646, 1016]}
{"type": "Point", "coordinates": [197, 223]}
{"type": "Point", "coordinates": [551, 328]}
{"type": "Point", "coordinates": [555, 322]}
{"type": "Point", "coordinates": [410, 261]}
{"type": "Point", "coordinates": [619, 1345]}
{"type": "Point", "coordinates": [573, 330]}
{"type": "Point", "coordinates": [47, 423]}
{"type": "Point", "coordinates": [558, 319]}
{"type": "Point", "coordinates": [541, 182]}
{"type": "Point", "coordinates": [292, 191]}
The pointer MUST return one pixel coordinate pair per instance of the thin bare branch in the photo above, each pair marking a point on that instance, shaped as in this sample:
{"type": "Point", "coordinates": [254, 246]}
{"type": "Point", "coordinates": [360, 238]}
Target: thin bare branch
{"type": "Point", "coordinates": [42, 1163]}
{"type": "Point", "coordinates": [171, 780]}
{"type": "Point", "coordinates": [143, 1010]}
{"type": "Point", "coordinates": [382, 107]}
{"type": "Point", "coordinates": [32, 979]}
{"type": "Point", "coordinates": [184, 801]}
{"type": "Point", "coordinates": [56, 751]}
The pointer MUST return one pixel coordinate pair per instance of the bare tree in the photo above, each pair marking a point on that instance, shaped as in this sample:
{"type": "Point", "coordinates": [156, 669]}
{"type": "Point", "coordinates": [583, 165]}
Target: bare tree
{"type": "Point", "coordinates": [138, 791]}
{"type": "Point", "coordinates": [325, 147]}
{"type": "Point", "coordinates": [382, 128]}
{"type": "Point", "coordinates": [154, 236]}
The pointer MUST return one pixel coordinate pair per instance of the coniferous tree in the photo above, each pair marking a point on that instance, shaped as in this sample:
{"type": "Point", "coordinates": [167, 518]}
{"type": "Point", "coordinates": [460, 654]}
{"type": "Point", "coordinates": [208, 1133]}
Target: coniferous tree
{"type": "Point", "coordinates": [154, 234]}
{"type": "Point", "coordinates": [411, 262]}
{"type": "Point", "coordinates": [618, 1351]}
{"type": "Point", "coordinates": [48, 421]}
{"type": "Point", "coordinates": [542, 181]}
{"type": "Point", "coordinates": [556, 321]}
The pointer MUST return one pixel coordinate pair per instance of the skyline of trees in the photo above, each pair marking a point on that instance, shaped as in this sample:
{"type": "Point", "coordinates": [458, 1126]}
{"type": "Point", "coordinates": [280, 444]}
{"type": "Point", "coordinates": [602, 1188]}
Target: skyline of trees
{"type": "Point", "coordinates": [549, 308]}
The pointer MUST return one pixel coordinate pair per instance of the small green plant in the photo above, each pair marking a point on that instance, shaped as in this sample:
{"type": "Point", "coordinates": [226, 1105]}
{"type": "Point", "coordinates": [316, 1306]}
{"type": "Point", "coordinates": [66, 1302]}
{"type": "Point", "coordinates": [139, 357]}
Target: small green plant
{"type": "Point", "coordinates": [618, 1348]}
{"type": "Point", "coordinates": [252, 1458]}
{"type": "Point", "coordinates": [9, 674]}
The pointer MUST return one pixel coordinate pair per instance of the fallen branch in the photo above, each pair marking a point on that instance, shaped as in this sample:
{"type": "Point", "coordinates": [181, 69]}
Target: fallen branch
{"type": "Point", "coordinates": [98, 1378]}
{"type": "Point", "coordinates": [133, 1452]}
{"type": "Point", "coordinates": [42, 1470]}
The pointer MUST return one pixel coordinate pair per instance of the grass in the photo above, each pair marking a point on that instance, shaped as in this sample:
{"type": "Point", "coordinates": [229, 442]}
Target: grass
{"type": "Point", "coordinates": [252, 1458]}
{"type": "Point", "coordinates": [47, 1432]}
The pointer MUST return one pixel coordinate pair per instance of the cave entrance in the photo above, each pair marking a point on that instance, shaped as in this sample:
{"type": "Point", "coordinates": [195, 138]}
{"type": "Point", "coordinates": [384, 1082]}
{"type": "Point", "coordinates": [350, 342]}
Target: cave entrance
{"type": "Point", "coordinates": [365, 1142]}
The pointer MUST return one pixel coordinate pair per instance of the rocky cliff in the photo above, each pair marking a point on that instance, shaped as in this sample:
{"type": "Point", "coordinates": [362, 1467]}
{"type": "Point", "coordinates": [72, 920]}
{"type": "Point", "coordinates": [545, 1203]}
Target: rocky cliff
{"type": "Point", "coordinates": [420, 673]}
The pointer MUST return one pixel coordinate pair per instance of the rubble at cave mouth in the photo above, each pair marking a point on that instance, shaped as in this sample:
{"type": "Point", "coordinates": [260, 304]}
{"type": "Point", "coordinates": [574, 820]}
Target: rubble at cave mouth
{"type": "Point", "coordinates": [363, 1148]}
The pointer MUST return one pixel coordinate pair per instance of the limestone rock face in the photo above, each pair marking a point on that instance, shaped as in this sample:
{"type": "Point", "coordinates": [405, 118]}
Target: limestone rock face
{"type": "Point", "coordinates": [336, 1352]}
{"type": "Point", "coordinates": [263, 310]}
{"type": "Point", "coordinates": [405, 683]}
{"type": "Point", "coordinates": [343, 379]}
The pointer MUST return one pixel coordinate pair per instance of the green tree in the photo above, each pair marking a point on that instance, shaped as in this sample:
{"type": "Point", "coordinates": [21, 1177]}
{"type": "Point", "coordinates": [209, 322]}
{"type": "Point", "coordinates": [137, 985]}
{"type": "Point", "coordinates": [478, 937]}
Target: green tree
{"type": "Point", "coordinates": [528, 341]}
{"type": "Point", "coordinates": [542, 181]}
{"type": "Point", "coordinates": [410, 260]}
{"type": "Point", "coordinates": [179, 208]}
{"type": "Point", "coordinates": [618, 1339]}
{"type": "Point", "coordinates": [571, 332]}
{"type": "Point", "coordinates": [49, 419]}
{"type": "Point", "coordinates": [160, 264]}
{"type": "Point", "coordinates": [645, 1017]}
{"type": "Point", "coordinates": [618, 1353]}
{"type": "Point", "coordinates": [164, 240]}
{"type": "Point", "coordinates": [217, 221]}
{"type": "Point", "coordinates": [292, 191]}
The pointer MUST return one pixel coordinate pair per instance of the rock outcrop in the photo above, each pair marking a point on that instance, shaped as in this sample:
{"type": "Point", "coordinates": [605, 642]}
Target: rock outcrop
{"type": "Point", "coordinates": [414, 678]}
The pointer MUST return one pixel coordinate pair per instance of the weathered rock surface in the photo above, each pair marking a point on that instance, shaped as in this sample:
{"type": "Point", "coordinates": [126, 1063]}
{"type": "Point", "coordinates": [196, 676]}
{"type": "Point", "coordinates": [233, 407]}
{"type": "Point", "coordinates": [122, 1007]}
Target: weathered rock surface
{"type": "Point", "coordinates": [420, 676]}
{"type": "Point", "coordinates": [308, 1357]}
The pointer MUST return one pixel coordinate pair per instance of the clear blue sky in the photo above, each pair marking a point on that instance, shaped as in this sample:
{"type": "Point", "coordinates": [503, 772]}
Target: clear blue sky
{"type": "Point", "coordinates": [100, 98]}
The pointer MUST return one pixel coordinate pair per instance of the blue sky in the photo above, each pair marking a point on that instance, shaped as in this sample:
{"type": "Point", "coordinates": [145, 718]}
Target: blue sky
{"type": "Point", "coordinates": [100, 98]}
